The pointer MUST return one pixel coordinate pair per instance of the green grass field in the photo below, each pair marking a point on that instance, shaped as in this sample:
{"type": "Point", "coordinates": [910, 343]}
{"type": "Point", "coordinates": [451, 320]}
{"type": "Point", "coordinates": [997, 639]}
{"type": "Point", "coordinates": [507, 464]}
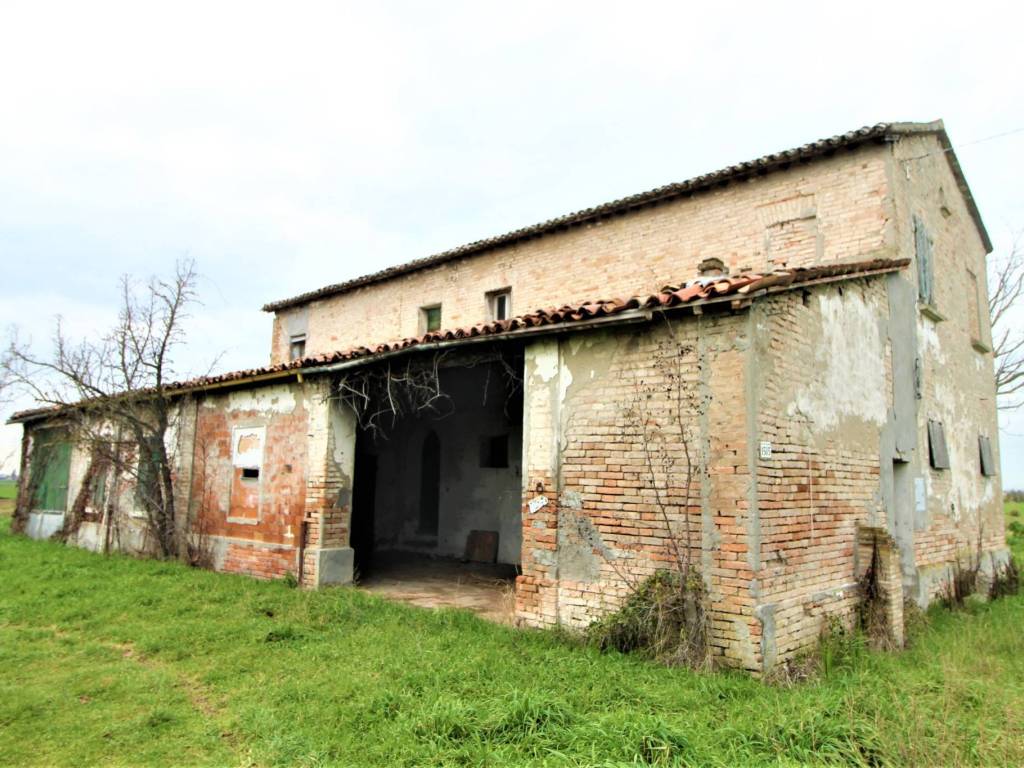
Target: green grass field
{"type": "Point", "coordinates": [128, 662]}
{"type": "Point", "coordinates": [8, 493]}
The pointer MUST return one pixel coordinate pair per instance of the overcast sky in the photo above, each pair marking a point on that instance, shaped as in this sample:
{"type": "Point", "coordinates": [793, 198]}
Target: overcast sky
{"type": "Point", "coordinates": [289, 145]}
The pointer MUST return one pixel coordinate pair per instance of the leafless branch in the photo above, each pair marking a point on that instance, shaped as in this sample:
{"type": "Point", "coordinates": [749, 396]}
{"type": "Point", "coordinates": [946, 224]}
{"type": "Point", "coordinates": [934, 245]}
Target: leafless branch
{"type": "Point", "coordinates": [1006, 285]}
{"type": "Point", "coordinates": [110, 397]}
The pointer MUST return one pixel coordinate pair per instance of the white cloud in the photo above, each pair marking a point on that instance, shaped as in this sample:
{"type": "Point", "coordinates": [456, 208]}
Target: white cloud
{"type": "Point", "coordinates": [287, 146]}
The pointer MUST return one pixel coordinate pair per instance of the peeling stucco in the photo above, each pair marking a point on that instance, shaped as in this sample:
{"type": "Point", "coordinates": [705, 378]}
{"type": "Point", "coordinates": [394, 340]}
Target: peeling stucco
{"type": "Point", "coordinates": [849, 350]}
{"type": "Point", "coordinates": [275, 399]}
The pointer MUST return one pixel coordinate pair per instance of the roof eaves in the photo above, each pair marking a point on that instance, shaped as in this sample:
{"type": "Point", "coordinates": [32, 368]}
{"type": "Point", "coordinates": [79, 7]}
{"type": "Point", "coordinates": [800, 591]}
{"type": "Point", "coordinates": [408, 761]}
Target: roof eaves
{"type": "Point", "coordinates": [741, 289]}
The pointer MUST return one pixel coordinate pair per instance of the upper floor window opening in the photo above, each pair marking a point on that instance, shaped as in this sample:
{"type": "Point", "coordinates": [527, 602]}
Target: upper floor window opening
{"type": "Point", "coordinates": [499, 304]}
{"type": "Point", "coordinates": [297, 347]}
{"type": "Point", "coordinates": [430, 318]}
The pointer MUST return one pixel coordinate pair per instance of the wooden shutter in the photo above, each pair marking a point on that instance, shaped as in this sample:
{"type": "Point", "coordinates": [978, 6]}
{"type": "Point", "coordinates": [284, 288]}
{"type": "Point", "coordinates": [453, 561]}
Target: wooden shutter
{"type": "Point", "coordinates": [923, 254]}
{"type": "Point", "coordinates": [988, 465]}
{"type": "Point", "coordinates": [938, 454]}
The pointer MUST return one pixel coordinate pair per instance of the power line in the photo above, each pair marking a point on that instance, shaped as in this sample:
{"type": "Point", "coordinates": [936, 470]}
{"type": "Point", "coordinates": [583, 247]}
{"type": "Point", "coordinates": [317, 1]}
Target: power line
{"type": "Point", "coordinates": [967, 144]}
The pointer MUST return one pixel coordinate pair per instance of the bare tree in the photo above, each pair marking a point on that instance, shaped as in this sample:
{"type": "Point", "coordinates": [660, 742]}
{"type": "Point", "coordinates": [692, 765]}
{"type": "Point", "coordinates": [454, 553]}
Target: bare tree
{"type": "Point", "coordinates": [111, 395]}
{"type": "Point", "coordinates": [1006, 284]}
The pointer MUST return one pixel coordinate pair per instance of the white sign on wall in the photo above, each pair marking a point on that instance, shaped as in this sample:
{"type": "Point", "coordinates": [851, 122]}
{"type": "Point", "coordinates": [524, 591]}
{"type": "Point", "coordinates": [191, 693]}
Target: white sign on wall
{"type": "Point", "coordinates": [920, 495]}
{"type": "Point", "coordinates": [538, 502]}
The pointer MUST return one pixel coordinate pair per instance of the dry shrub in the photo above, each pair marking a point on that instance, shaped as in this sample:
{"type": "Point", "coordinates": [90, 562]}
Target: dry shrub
{"type": "Point", "coordinates": [915, 621]}
{"type": "Point", "coordinates": [837, 649]}
{"type": "Point", "coordinates": [665, 618]}
{"type": "Point", "coordinates": [199, 547]}
{"type": "Point", "coordinates": [962, 583]}
{"type": "Point", "coordinates": [873, 618]}
{"type": "Point", "coordinates": [1005, 580]}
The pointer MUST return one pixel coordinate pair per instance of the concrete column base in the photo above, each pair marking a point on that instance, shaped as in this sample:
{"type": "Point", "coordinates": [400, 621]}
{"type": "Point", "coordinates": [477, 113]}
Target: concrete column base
{"type": "Point", "coordinates": [334, 566]}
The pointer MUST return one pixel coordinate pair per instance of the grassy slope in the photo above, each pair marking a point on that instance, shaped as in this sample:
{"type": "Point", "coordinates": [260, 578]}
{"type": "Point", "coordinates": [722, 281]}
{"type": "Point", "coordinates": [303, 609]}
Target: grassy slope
{"type": "Point", "coordinates": [137, 662]}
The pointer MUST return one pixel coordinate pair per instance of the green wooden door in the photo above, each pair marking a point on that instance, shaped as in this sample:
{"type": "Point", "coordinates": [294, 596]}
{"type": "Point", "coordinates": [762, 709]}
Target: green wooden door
{"type": "Point", "coordinates": [52, 457]}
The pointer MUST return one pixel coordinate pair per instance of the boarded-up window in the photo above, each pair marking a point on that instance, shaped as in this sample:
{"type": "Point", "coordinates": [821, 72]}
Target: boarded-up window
{"type": "Point", "coordinates": [51, 468]}
{"type": "Point", "coordinates": [938, 454]}
{"type": "Point", "coordinates": [925, 263]}
{"type": "Point", "coordinates": [793, 243]}
{"type": "Point", "coordinates": [246, 469]}
{"type": "Point", "coordinates": [973, 308]}
{"type": "Point", "coordinates": [988, 465]}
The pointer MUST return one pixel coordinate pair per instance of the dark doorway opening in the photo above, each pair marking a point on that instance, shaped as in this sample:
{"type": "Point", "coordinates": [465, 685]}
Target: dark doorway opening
{"type": "Point", "coordinates": [430, 483]}
{"type": "Point", "coordinates": [437, 494]}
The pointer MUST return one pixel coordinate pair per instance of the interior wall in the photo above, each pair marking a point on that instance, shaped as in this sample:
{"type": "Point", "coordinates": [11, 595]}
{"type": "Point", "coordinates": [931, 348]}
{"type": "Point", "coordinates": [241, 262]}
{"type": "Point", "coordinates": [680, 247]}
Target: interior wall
{"type": "Point", "coordinates": [470, 496]}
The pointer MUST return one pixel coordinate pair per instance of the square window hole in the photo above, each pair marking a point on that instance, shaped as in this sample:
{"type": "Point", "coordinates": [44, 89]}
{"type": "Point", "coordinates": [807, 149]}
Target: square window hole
{"type": "Point", "coordinates": [494, 451]}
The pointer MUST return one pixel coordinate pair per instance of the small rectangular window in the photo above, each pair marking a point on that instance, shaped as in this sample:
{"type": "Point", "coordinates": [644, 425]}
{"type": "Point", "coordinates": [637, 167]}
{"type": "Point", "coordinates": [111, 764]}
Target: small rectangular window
{"type": "Point", "coordinates": [494, 451]}
{"type": "Point", "coordinates": [297, 347]}
{"type": "Point", "coordinates": [250, 473]}
{"type": "Point", "coordinates": [499, 304]}
{"type": "Point", "coordinates": [988, 465]}
{"type": "Point", "coordinates": [938, 455]}
{"type": "Point", "coordinates": [431, 318]}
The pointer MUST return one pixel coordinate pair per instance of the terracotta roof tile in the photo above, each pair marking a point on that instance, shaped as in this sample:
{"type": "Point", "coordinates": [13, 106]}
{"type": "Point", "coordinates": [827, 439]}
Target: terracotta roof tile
{"type": "Point", "coordinates": [695, 292]}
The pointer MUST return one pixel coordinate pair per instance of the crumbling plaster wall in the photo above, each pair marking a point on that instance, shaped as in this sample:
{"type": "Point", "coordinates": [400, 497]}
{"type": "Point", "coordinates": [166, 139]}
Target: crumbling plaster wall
{"type": "Point", "coordinates": [833, 209]}
{"type": "Point", "coordinates": [260, 540]}
{"type": "Point", "coordinates": [304, 487]}
{"type": "Point", "coordinates": [956, 379]}
{"type": "Point", "coordinates": [798, 424]}
{"type": "Point", "coordinates": [823, 403]}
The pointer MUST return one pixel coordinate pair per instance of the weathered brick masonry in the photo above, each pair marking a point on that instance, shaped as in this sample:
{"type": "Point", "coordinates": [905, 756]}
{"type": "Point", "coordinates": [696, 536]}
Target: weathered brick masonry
{"type": "Point", "coordinates": [831, 210]}
{"type": "Point", "coordinates": [802, 409]}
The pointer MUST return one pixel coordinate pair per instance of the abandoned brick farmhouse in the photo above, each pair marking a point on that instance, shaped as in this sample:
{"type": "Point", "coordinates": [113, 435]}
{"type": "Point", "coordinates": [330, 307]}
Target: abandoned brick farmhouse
{"type": "Point", "coordinates": [784, 365]}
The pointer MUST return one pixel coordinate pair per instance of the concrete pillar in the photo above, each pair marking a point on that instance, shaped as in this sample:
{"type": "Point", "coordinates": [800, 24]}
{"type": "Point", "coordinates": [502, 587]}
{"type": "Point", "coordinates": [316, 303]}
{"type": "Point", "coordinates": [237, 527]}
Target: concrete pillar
{"type": "Point", "coordinates": [328, 558]}
{"type": "Point", "coordinates": [537, 586]}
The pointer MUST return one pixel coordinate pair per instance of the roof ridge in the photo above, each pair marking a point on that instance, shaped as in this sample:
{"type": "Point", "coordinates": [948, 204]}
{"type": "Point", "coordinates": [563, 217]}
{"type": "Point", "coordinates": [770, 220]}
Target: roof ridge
{"type": "Point", "coordinates": [763, 164]}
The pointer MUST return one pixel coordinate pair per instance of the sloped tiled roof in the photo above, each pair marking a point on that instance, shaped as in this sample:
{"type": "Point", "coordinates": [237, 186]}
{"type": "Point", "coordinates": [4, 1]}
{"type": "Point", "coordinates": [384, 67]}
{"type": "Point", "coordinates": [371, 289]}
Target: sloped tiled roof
{"type": "Point", "coordinates": [705, 290]}
{"type": "Point", "coordinates": [762, 165]}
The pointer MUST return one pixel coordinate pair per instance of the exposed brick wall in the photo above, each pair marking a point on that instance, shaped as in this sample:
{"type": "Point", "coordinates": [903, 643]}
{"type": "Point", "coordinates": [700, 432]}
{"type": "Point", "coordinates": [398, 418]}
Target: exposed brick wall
{"type": "Point", "coordinates": [830, 210]}
{"type": "Point", "coordinates": [618, 510]}
{"type": "Point", "coordinates": [822, 480]}
{"type": "Point", "coordinates": [262, 562]}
